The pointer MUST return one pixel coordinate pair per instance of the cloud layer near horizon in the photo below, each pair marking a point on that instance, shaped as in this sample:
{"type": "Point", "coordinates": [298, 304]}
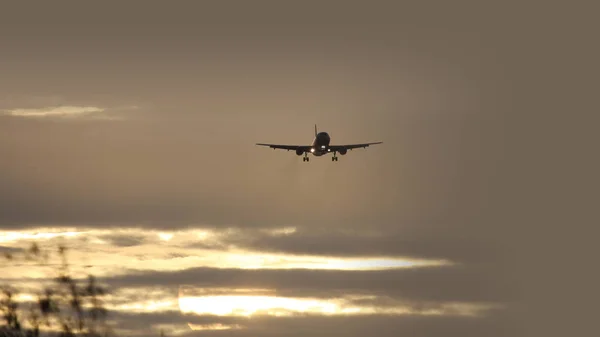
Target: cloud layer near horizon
{"type": "Point", "coordinates": [213, 278]}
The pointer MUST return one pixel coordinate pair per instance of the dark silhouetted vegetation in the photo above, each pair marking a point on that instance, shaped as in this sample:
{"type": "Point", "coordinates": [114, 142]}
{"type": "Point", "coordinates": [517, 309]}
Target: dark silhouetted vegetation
{"type": "Point", "coordinates": [65, 305]}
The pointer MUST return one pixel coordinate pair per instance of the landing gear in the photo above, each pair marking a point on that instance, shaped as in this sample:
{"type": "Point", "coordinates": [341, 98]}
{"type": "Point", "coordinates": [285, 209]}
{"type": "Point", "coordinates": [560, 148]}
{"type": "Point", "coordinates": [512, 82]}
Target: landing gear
{"type": "Point", "coordinates": [334, 158]}
{"type": "Point", "coordinates": [305, 158]}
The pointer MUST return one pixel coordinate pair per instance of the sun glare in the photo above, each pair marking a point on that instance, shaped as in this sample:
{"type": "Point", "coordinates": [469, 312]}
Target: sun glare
{"type": "Point", "coordinates": [216, 326]}
{"type": "Point", "coordinates": [251, 305]}
{"type": "Point", "coordinates": [266, 305]}
{"type": "Point", "coordinates": [165, 236]}
{"type": "Point", "coordinates": [6, 237]}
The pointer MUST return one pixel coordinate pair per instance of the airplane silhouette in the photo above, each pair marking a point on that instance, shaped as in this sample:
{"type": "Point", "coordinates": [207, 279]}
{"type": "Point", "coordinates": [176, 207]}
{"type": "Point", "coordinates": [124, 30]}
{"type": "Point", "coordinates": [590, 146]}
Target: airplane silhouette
{"type": "Point", "coordinates": [319, 147]}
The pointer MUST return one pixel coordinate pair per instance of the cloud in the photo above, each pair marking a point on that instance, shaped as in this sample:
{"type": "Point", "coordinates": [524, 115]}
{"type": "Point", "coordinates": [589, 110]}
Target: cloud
{"type": "Point", "coordinates": [146, 324]}
{"type": "Point", "coordinates": [363, 242]}
{"type": "Point", "coordinates": [71, 111]}
{"type": "Point", "coordinates": [150, 309]}
{"type": "Point", "coordinates": [60, 111]}
{"type": "Point", "coordinates": [284, 246]}
{"type": "Point", "coordinates": [123, 240]}
{"type": "Point", "coordinates": [425, 284]}
{"type": "Point", "coordinates": [178, 250]}
{"type": "Point", "coordinates": [256, 302]}
{"type": "Point", "coordinates": [9, 250]}
{"type": "Point", "coordinates": [273, 305]}
{"type": "Point", "coordinates": [146, 273]}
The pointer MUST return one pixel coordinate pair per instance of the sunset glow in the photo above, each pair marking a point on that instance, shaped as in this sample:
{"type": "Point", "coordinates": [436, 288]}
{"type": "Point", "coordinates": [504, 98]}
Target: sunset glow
{"type": "Point", "coordinates": [287, 169]}
{"type": "Point", "coordinates": [98, 249]}
{"type": "Point", "coordinates": [261, 305]}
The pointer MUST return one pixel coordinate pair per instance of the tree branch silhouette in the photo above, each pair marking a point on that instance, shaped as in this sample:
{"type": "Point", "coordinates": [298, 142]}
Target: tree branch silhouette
{"type": "Point", "coordinates": [69, 305]}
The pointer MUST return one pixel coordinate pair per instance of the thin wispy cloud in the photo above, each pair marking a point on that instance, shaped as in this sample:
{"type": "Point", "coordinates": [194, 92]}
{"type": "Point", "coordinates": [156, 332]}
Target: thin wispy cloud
{"type": "Point", "coordinates": [60, 111]}
{"type": "Point", "coordinates": [71, 111]}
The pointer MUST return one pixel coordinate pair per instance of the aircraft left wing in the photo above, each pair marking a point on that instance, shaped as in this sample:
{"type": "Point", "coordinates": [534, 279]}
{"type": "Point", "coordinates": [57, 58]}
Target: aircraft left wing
{"type": "Point", "coordinates": [352, 146]}
{"type": "Point", "coordinates": [304, 148]}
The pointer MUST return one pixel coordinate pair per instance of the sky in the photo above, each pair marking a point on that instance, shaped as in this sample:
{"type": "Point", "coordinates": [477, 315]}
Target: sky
{"type": "Point", "coordinates": [127, 132]}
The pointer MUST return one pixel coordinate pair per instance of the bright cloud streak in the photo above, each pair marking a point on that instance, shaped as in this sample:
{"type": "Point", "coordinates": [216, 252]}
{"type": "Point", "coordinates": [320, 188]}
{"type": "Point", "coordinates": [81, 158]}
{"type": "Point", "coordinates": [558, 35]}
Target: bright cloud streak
{"type": "Point", "coordinates": [216, 326]}
{"type": "Point", "coordinates": [70, 111]}
{"type": "Point", "coordinates": [249, 305]}
{"type": "Point", "coordinates": [7, 237]}
{"type": "Point", "coordinates": [256, 260]}
{"type": "Point", "coordinates": [264, 305]}
{"type": "Point", "coordinates": [165, 236]}
{"type": "Point", "coordinates": [60, 111]}
{"type": "Point", "coordinates": [146, 306]}
{"type": "Point", "coordinates": [171, 251]}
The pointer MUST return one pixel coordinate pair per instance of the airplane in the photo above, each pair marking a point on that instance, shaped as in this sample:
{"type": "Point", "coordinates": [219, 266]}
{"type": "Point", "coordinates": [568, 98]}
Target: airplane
{"type": "Point", "coordinates": [319, 147]}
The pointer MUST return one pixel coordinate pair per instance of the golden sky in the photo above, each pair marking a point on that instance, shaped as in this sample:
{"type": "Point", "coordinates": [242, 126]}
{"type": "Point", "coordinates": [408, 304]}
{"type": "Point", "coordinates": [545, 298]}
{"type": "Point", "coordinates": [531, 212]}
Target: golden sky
{"type": "Point", "coordinates": [220, 273]}
{"type": "Point", "coordinates": [127, 132]}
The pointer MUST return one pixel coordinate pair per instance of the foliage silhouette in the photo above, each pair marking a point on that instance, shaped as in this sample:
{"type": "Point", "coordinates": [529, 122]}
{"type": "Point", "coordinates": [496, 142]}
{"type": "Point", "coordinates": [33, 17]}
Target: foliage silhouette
{"type": "Point", "coordinates": [66, 306]}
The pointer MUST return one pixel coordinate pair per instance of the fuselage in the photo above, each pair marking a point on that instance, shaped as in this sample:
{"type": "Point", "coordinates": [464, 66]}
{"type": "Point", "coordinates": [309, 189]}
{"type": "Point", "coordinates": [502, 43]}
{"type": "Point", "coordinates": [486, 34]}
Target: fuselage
{"type": "Point", "coordinates": [320, 144]}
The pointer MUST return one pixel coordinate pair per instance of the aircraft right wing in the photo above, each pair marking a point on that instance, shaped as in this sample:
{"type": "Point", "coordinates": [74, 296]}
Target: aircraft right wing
{"type": "Point", "coordinates": [352, 146]}
{"type": "Point", "coordinates": [304, 148]}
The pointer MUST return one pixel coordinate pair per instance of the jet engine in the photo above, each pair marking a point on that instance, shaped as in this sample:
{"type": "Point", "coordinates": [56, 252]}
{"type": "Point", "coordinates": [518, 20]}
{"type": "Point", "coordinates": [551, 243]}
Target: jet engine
{"type": "Point", "coordinates": [299, 152]}
{"type": "Point", "coordinates": [343, 151]}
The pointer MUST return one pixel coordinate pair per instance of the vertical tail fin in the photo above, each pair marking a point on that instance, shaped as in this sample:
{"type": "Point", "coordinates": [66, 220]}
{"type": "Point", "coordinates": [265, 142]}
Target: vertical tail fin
{"type": "Point", "coordinates": [315, 130]}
